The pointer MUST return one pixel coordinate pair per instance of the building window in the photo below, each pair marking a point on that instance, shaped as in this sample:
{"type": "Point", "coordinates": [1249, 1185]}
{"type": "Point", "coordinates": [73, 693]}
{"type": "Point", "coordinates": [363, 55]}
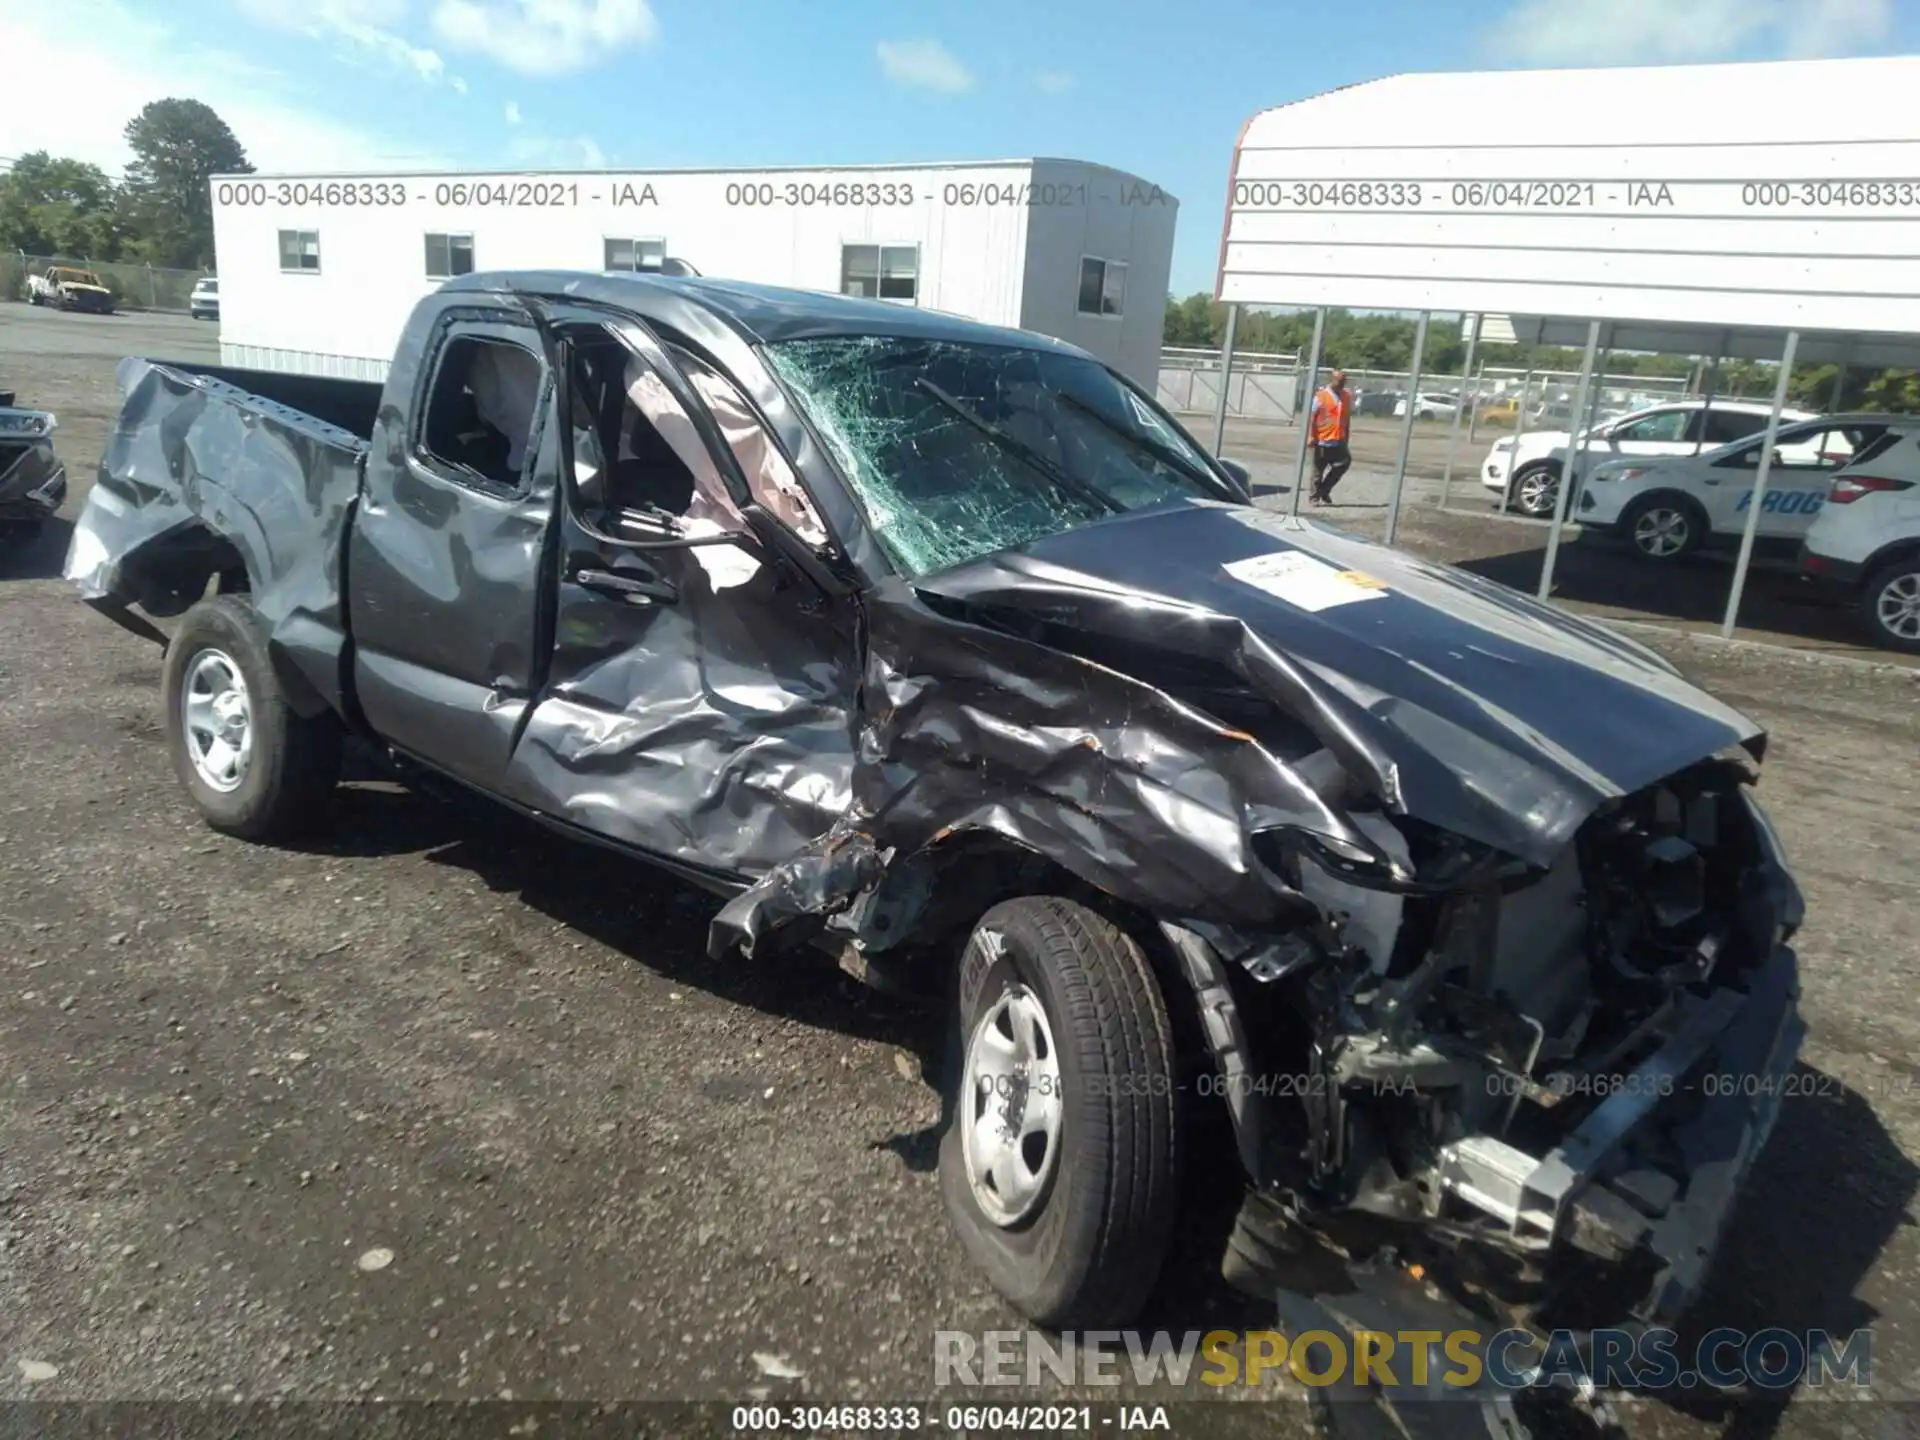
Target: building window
{"type": "Point", "coordinates": [881, 272]}
{"type": "Point", "coordinates": [448, 256]}
{"type": "Point", "coordinates": [300, 250]}
{"type": "Point", "coordinates": [1103, 286]}
{"type": "Point", "coordinates": [634, 254]}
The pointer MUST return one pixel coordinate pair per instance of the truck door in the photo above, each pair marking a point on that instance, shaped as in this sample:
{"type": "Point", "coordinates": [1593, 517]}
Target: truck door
{"type": "Point", "coordinates": [448, 569]}
{"type": "Point", "coordinates": [700, 701]}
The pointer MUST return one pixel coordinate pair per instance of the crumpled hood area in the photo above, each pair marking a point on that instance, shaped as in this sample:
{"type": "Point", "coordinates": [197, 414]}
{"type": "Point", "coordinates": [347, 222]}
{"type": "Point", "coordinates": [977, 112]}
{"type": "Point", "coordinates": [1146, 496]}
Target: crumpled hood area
{"type": "Point", "coordinates": [1463, 703]}
{"type": "Point", "coordinates": [1133, 701]}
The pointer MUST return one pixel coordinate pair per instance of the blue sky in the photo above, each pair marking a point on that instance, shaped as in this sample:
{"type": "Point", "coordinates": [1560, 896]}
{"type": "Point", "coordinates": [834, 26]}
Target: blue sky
{"type": "Point", "coordinates": [1151, 86]}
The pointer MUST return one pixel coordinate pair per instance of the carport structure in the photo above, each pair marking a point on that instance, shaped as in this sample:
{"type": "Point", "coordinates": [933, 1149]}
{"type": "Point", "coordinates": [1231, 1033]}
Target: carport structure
{"type": "Point", "coordinates": [1765, 211]}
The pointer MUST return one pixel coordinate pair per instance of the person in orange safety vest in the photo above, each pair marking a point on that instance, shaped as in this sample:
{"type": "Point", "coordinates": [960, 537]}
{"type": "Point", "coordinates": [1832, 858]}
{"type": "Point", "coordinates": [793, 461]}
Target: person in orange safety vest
{"type": "Point", "coordinates": [1328, 426]}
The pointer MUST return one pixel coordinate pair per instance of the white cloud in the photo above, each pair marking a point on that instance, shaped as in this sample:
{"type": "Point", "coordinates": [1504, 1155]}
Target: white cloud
{"type": "Point", "coordinates": [1583, 32]}
{"type": "Point", "coordinates": [1055, 82]}
{"type": "Point", "coordinates": [545, 37]}
{"type": "Point", "coordinates": [368, 26]}
{"type": "Point", "coordinates": [130, 58]}
{"type": "Point", "coordinates": [924, 65]}
{"type": "Point", "coordinates": [1816, 28]}
{"type": "Point", "coordinates": [513, 113]}
{"type": "Point", "coordinates": [557, 152]}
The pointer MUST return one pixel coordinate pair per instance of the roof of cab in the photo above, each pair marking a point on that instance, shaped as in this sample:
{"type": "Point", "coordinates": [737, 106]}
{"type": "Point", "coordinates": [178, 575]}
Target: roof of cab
{"type": "Point", "coordinates": [765, 314]}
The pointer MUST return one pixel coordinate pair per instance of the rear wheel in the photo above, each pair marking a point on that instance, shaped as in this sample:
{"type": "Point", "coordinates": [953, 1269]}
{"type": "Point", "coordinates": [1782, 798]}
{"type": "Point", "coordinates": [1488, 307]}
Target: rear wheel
{"type": "Point", "coordinates": [1535, 489]}
{"type": "Point", "coordinates": [1664, 528]}
{"type": "Point", "coordinates": [252, 765]}
{"type": "Point", "coordinates": [1059, 1166]}
{"type": "Point", "coordinates": [1890, 605]}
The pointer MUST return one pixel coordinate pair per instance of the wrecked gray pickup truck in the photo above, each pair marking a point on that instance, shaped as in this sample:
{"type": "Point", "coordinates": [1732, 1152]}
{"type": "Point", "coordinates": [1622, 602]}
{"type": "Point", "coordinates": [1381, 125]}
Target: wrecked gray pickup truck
{"type": "Point", "coordinates": [944, 648]}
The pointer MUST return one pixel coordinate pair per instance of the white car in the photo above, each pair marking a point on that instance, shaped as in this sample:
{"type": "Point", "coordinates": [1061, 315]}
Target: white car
{"type": "Point", "coordinates": [1667, 508]}
{"type": "Point", "coordinates": [1437, 405]}
{"type": "Point", "coordinates": [1865, 542]}
{"type": "Point", "coordinates": [1526, 469]}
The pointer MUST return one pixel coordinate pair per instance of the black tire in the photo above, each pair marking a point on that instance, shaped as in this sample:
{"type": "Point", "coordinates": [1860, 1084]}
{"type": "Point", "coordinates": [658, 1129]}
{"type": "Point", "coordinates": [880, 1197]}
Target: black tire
{"type": "Point", "coordinates": [1883, 605]}
{"type": "Point", "coordinates": [1091, 1249]}
{"type": "Point", "coordinates": [295, 762]}
{"type": "Point", "coordinates": [1664, 528]}
{"type": "Point", "coordinates": [1535, 500]}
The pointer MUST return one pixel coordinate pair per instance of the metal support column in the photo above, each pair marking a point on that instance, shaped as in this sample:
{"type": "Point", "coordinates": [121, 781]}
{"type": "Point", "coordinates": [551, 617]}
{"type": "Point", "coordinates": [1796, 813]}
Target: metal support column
{"type": "Point", "coordinates": [1226, 377]}
{"type": "Point", "coordinates": [1760, 486]}
{"type": "Point", "coordinates": [1479, 384]}
{"type": "Point", "coordinates": [1406, 430]}
{"type": "Point", "coordinates": [1453, 435]}
{"type": "Point", "coordinates": [1712, 385]}
{"type": "Point", "coordinates": [1564, 488]}
{"type": "Point", "coordinates": [1306, 417]}
{"type": "Point", "coordinates": [1840, 378]}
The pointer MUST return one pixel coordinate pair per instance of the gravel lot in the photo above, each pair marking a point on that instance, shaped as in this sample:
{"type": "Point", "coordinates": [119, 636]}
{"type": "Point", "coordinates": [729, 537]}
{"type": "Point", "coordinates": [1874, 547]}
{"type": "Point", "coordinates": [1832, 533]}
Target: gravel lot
{"type": "Point", "coordinates": [233, 1078]}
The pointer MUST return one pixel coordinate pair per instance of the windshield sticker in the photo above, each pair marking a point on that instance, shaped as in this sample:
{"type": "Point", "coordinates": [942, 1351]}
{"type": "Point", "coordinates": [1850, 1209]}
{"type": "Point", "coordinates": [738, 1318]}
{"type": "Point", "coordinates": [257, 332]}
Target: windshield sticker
{"type": "Point", "coordinates": [1305, 582]}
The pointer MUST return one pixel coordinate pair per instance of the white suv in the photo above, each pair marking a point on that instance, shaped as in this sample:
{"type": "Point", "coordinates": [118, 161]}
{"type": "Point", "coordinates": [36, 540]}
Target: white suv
{"type": "Point", "coordinates": [1866, 539]}
{"type": "Point", "coordinates": [1526, 468]}
{"type": "Point", "coordinates": [1668, 508]}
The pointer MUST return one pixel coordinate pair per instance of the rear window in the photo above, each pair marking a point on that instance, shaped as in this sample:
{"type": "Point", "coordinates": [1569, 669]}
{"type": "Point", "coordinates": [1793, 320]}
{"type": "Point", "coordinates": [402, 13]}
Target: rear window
{"type": "Point", "coordinates": [1877, 446]}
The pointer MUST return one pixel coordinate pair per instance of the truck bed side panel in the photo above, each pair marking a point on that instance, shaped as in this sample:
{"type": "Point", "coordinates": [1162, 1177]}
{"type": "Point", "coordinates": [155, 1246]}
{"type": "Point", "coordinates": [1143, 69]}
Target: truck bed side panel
{"type": "Point", "coordinates": [201, 478]}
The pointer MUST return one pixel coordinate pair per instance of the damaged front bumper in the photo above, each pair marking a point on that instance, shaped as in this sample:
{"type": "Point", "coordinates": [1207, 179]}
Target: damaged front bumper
{"type": "Point", "coordinates": [1647, 1180]}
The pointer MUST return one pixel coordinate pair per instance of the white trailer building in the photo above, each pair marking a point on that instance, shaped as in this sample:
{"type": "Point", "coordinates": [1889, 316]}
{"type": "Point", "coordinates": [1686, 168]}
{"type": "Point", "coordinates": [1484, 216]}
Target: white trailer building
{"type": "Point", "coordinates": [319, 272]}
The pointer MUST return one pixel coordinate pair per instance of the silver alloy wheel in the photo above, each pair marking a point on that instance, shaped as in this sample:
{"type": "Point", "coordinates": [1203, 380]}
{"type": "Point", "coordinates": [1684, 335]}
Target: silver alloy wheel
{"type": "Point", "coordinates": [1011, 1107]}
{"type": "Point", "coordinates": [216, 719]}
{"type": "Point", "coordinates": [1662, 532]}
{"type": "Point", "coordinates": [1536, 494]}
{"type": "Point", "coordinates": [1897, 606]}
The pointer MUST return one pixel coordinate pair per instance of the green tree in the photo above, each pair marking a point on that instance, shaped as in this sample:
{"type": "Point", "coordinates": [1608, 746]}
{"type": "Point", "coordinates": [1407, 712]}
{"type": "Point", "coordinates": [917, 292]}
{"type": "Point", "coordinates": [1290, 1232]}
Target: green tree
{"type": "Point", "coordinates": [178, 145]}
{"type": "Point", "coordinates": [50, 205]}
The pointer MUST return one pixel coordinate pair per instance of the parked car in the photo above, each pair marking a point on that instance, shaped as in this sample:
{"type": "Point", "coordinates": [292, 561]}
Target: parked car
{"type": "Point", "coordinates": [1376, 402]}
{"type": "Point", "coordinates": [204, 303]}
{"type": "Point", "coordinates": [1429, 405]}
{"type": "Point", "coordinates": [33, 482]}
{"type": "Point", "coordinates": [1526, 469]}
{"type": "Point", "coordinates": [944, 648]}
{"type": "Point", "coordinates": [70, 289]}
{"type": "Point", "coordinates": [1666, 508]}
{"type": "Point", "coordinates": [1864, 543]}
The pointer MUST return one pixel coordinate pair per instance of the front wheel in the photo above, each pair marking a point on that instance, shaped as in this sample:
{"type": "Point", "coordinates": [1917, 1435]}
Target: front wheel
{"type": "Point", "coordinates": [1059, 1166]}
{"type": "Point", "coordinates": [1535, 491]}
{"type": "Point", "coordinates": [1890, 605]}
{"type": "Point", "coordinates": [1664, 528]}
{"type": "Point", "coordinates": [252, 765]}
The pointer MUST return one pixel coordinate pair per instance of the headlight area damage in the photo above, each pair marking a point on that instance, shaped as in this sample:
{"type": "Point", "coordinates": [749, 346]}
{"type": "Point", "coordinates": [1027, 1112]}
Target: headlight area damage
{"type": "Point", "coordinates": [1466, 921]}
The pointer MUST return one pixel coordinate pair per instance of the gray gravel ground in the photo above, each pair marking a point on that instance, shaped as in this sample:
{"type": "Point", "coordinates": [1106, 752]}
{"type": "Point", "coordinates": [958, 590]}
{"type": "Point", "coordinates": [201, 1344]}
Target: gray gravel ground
{"type": "Point", "coordinates": [232, 1078]}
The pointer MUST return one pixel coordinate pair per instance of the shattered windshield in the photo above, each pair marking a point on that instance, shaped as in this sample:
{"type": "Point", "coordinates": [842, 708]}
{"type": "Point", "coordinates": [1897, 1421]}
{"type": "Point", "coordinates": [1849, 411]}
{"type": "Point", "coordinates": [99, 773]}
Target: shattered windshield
{"type": "Point", "coordinates": [959, 450]}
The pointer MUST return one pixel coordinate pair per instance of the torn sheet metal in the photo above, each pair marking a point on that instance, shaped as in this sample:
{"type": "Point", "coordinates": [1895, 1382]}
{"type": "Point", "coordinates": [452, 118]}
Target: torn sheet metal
{"type": "Point", "coordinates": [1450, 699]}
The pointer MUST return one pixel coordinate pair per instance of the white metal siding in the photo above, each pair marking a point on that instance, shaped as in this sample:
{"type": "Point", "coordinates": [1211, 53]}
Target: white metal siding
{"type": "Point", "coordinates": [1621, 194]}
{"type": "Point", "coordinates": [1122, 218]}
{"type": "Point", "coordinates": [346, 318]}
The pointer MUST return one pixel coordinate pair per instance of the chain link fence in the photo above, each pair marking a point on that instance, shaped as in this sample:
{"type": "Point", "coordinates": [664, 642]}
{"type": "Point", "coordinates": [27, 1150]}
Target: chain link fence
{"type": "Point", "coordinates": [135, 286]}
{"type": "Point", "coordinates": [1272, 387]}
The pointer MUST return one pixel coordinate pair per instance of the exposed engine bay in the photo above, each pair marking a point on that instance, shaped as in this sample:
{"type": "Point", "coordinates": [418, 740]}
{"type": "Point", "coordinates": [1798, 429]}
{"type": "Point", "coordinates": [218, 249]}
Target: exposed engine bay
{"type": "Point", "coordinates": [1528, 1069]}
